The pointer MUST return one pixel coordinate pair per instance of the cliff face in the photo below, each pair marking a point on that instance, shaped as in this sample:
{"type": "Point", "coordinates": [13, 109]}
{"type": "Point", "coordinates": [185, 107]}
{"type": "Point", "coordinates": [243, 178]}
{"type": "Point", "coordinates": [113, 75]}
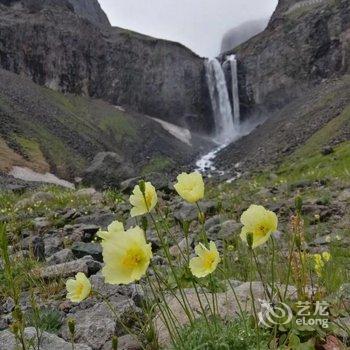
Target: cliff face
{"type": "Point", "coordinates": [59, 45]}
{"type": "Point", "coordinates": [305, 43]}
{"type": "Point", "coordinates": [242, 33]}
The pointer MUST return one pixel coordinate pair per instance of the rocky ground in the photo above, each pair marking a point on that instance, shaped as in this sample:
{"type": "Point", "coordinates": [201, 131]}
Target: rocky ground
{"type": "Point", "coordinates": [53, 232]}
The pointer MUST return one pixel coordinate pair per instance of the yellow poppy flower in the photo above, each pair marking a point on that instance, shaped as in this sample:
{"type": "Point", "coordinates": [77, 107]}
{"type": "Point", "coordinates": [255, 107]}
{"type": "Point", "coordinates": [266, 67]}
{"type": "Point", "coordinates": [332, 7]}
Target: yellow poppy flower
{"type": "Point", "coordinates": [206, 262]}
{"type": "Point", "coordinates": [143, 204]}
{"type": "Point", "coordinates": [79, 288]}
{"type": "Point", "coordinates": [126, 256]}
{"type": "Point", "coordinates": [320, 261]}
{"type": "Point", "coordinates": [190, 186]}
{"type": "Point", "coordinates": [258, 222]}
{"type": "Point", "coordinates": [114, 228]}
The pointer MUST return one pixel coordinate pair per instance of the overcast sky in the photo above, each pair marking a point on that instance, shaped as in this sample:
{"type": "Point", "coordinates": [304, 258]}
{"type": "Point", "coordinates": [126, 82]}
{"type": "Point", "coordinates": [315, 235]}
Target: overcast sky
{"type": "Point", "coordinates": [198, 24]}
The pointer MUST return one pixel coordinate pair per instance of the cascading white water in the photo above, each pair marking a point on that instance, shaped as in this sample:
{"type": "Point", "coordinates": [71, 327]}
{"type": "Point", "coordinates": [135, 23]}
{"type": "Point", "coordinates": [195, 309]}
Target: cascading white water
{"type": "Point", "coordinates": [227, 125]}
{"type": "Point", "coordinates": [220, 101]}
{"type": "Point", "coordinates": [235, 96]}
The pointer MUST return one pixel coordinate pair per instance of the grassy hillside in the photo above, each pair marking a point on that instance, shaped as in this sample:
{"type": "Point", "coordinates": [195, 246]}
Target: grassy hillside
{"type": "Point", "coordinates": [48, 131]}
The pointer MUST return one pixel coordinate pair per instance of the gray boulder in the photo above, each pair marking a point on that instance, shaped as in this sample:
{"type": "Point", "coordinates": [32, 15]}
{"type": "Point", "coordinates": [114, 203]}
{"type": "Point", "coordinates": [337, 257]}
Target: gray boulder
{"type": "Point", "coordinates": [86, 265]}
{"type": "Point", "coordinates": [97, 324]}
{"type": "Point", "coordinates": [81, 249]}
{"type": "Point", "coordinates": [107, 170]}
{"type": "Point", "coordinates": [188, 212]}
{"type": "Point", "coordinates": [48, 341]}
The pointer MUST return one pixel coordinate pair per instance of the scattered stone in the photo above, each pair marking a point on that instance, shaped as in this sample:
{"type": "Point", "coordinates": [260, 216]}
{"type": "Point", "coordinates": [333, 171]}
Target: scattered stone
{"type": "Point", "coordinates": [35, 245]}
{"type": "Point", "coordinates": [224, 231]}
{"type": "Point", "coordinates": [327, 150]}
{"type": "Point", "coordinates": [226, 304]}
{"type": "Point", "coordinates": [48, 341]}
{"type": "Point", "coordinates": [211, 222]}
{"type": "Point", "coordinates": [344, 196]}
{"type": "Point", "coordinates": [96, 324]}
{"type": "Point", "coordinates": [9, 305]}
{"type": "Point", "coordinates": [188, 212]}
{"type": "Point", "coordinates": [43, 197]}
{"type": "Point", "coordinates": [133, 291]}
{"type": "Point", "coordinates": [41, 223]}
{"type": "Point", "coordinates": [81, 249]}
{"type": "Point", "coordinates": [181, 248]}
{"type": "Point", "coordinates": [5, 321]}
{"type": "Point", "coordinates": [86, 265]}
{"type": "Point", "coordinates": [107, 170]}
{"type": "Point", "coordinates": [53, 243]}
{"type": "Point", "coordinates": [62, 256]}
{"type": "Point", "coordinates": [102, 219]}
{"type": "Point", "coordinates": [125, 342]}
{"type": "Point", "coordinates": [69, 215]}
{"type": "Point", "coordinates": [301, 184]}
{"type": "Point", "coordinates": [96, 197]}
{"type": "Point", "coordinates": [88, 232]}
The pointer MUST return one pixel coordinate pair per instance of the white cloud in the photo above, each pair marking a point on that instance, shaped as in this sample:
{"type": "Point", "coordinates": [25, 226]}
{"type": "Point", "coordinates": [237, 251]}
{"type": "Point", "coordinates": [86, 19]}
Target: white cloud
{"type": "Point", "coordinates": [198, 24]}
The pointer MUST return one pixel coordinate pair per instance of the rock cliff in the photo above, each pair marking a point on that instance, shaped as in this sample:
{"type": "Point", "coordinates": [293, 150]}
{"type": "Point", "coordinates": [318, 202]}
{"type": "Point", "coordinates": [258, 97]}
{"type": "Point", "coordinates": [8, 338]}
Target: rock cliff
{"type": "Point", "coordinates": [242, 33]}
{"type": "Point", "coordinates": [305, 43]}
{"type": "Point", "coordinates": [70, 47]}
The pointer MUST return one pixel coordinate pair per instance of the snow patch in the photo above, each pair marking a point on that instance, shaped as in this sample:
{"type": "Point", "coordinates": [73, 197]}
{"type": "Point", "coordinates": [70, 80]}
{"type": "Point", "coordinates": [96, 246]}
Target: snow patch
{"type": "Point", "coordinates": [27, 174]}
{"type": "Point", "coordinates": [182, 134]}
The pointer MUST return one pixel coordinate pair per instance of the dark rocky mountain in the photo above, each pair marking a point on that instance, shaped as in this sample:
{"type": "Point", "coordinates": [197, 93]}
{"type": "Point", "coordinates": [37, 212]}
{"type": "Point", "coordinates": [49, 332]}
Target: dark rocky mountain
{"type": "Point", "coordinates": [295, 74]}
{"type": "Point", "coordinates": [305, 43]}
{"type": "Point", "coordinates": [242, 33]}
{"type": "Point", "coordinates": [69, 46]}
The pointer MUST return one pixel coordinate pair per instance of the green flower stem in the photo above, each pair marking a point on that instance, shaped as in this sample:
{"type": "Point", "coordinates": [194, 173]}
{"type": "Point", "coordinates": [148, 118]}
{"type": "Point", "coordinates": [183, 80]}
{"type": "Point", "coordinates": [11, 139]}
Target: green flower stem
{"type": "Point", "coordinates": [165, 318]}
{"type": "Point", "coordinates": [252, 297]}
{"type": "Point", "coordinates": [267, 292]}
{"type": "Point", "coordinates": [167, 254]}
{"type": "Point", "coordinates": [203, 232]}
{"type": "Point", "coordinates": [237, 300]}
{"type": "Point", "coordinates": [160, 279]}
{"type": "Point", "coordinates": [289, 268]}
{"type": "Point", "coordinates": [202, 308]}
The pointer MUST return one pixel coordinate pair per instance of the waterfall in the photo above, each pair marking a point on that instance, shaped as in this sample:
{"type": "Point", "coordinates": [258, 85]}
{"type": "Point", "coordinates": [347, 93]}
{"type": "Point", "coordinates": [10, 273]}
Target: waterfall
{"type": "Point", "coordinates": [235, 96]}
{"type": "Point", "coordinates": [227, 121]}
{"type": "Point", "coordinates": [220, 101]}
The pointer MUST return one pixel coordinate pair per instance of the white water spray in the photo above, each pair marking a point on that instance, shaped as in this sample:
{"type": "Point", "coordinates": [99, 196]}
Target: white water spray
{"type": "Point", "coordinates": [220, 101]}
{"type": "Point", "coordinates": [235, 96]}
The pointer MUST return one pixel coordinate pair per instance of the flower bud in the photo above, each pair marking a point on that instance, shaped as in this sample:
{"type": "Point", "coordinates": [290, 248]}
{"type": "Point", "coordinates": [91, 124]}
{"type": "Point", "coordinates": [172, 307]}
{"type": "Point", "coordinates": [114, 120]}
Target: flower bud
{"type": "Point", "coordinates": [15, 328]}
{"type": "Point", "coordinates": [298, 204]}
{"type": "Point", "coordinates": [250, 240]}
{"type": "Point", "coordinates": [201, 218]}
{"type": "Point", "coordinates": [186, 227]}
{"type": "Point", "coordinates": [71, 326]}
{"type": "Point", "coordinates": [114, 342]}
{"type": "Point", "coordinates": [142, 186]}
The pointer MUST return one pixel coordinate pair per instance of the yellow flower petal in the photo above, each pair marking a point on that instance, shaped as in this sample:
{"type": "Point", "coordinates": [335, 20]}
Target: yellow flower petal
{"type": "Point", "coordinates": [79, 288]}
{"type": "Point", "coordinates": [143, 204]}
{"type": "Point", "coordinates": [114, 228]}
{"type": "Point", "coordinates": [190, 186]}
{"type": "Point", "coordinates": [206, 262]}
{"type": "Point", "coordinates": [126, 257]}
{"type": "Point", "coordinates": [260, 223]}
